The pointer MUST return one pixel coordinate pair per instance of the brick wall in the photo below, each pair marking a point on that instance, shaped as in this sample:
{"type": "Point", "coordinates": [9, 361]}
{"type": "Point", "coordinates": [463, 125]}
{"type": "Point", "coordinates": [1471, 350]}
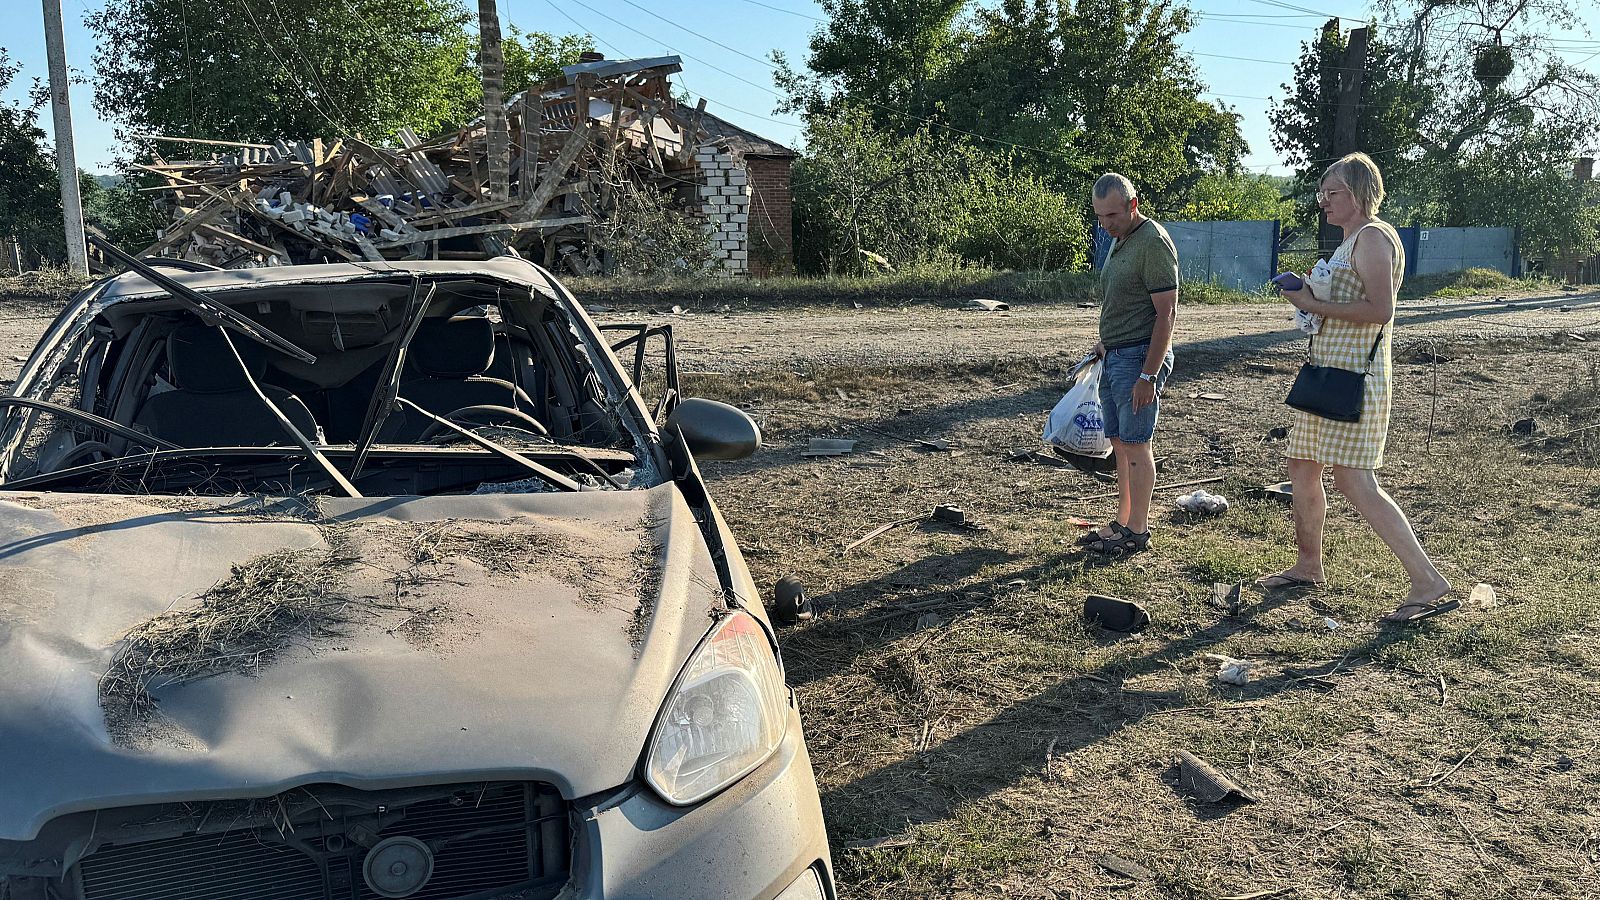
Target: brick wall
{"type": "Point", "coordinates": [725, 203]}
{"type": "Point", "coordinates": [771, 217]}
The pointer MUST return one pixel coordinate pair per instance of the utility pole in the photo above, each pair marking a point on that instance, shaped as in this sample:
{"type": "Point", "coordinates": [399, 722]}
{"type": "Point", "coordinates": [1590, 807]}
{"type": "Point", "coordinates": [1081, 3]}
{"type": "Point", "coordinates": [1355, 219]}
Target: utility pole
{"type": "Point", "coordinates": [1351, 69]}
{"type": "Point", "coordinates": [66, 156]}
{"type": "Point", "coordinates": [493, 62]}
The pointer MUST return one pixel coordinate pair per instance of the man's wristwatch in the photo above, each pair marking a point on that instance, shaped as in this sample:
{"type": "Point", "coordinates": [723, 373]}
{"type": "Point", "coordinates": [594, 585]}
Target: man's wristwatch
{"type": "Point", "coordinates": [1146, 376]}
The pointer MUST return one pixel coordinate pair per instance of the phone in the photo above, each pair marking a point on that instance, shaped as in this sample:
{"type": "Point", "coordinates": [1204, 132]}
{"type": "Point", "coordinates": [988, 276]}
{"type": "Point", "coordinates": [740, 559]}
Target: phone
{"type": "Point", "coordinates": [1288, 281]}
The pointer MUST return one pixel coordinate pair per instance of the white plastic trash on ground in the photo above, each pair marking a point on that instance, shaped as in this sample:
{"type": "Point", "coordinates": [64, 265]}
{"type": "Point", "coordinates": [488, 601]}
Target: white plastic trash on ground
{"type": "Point", "coordinates": [1075, 425]}
{"type": "Point", "coordinates": [1203, 501]}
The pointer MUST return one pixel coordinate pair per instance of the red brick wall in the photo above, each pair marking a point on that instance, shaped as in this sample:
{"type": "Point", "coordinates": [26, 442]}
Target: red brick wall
{"type": "Point", "coordinates": [771, 217]}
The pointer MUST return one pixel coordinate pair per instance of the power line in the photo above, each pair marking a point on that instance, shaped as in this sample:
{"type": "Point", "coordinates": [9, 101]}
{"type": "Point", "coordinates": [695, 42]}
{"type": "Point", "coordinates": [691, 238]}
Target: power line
{"type": "Point", "coordinates": [782, 10]}
{"type": "Point", "coordinates": [901, 113]}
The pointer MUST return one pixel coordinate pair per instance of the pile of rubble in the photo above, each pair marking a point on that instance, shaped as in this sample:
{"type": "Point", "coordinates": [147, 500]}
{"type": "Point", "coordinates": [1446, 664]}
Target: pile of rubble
{"type": "Point", "coordinates": [312, 201]}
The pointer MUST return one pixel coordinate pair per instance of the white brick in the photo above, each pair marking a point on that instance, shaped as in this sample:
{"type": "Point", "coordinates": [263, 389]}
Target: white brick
{"type": "Point", "coordinates": [739, 254]}
{"type": "Point", "coordinates": [739, 217]}
{"type": "Point", "coordinates": [716, 181]}
{"type": "Point", "coordinates": [737, 176]}
{"type": "Point", "coordinates": [731, 245]}
{"type": "Point", "coordinates": [741, 201]}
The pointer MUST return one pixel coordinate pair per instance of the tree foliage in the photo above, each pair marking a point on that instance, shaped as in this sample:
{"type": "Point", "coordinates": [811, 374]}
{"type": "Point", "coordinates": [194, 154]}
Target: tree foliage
{"type": "Point", "coordinates": [257, 70]}
{"type": "Point", "coordinates": [972, 132]}
{"type": "Point", "coordinates": [30, 200]}
{"type": "Point", "coordinates": [863, 192]}
{"type": "Point", "coordinates": [1463, 138]}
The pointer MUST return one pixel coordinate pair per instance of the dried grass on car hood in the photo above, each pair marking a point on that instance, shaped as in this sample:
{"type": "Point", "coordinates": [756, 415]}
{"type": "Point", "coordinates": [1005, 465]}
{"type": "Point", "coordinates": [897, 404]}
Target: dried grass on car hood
{"type": "Point", "coordinates": [239, 625]}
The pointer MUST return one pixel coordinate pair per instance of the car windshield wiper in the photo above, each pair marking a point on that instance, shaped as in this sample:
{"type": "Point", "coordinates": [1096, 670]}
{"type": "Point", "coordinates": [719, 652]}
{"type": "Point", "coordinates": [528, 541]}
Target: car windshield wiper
{"type": "Point", "coordinates": [122, 431]}
{"type": "Point", "coordinates": [209, 311]}
{"type": "Point", "coordinates": [545, 472]}
{"type": "Point", "coordinates": [327, 468]}
{"type": "Point", "coordinates": [388, 390]}
{"type": "Point", "coordinates": [225, 319]}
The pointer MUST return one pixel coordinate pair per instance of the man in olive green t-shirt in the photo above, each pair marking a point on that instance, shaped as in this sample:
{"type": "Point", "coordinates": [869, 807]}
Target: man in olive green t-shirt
{"type": "Point", "coordinates": [1140, 278]}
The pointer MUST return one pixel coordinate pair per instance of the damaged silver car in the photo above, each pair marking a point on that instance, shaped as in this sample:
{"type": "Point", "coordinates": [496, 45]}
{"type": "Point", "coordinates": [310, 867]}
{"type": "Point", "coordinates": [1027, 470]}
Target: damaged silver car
{"type": "Point", "coordinates": [380, 580]}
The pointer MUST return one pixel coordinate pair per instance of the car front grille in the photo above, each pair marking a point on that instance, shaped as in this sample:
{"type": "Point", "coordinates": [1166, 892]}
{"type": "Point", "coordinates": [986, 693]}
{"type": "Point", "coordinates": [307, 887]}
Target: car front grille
{"type": "Point", "coordinates": [483, 838]}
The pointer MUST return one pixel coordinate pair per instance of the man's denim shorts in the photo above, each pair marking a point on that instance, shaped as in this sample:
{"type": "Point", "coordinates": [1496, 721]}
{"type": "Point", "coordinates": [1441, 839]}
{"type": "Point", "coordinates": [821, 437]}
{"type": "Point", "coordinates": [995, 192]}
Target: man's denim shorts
{"type": "Point", "coordinates": [1117, 378]}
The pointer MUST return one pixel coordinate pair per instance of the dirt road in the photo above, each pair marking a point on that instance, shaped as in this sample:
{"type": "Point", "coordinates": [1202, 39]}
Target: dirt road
{"type": "Point", "coordinates": [922, 335]}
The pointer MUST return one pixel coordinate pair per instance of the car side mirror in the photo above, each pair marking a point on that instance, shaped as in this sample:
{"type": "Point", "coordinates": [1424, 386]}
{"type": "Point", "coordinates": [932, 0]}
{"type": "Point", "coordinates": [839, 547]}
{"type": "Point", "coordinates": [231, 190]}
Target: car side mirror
{"type": "Point", "coordinates": [714, 430]}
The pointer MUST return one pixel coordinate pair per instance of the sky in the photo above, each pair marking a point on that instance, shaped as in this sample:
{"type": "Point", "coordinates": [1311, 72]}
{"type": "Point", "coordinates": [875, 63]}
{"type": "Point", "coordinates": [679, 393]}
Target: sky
{"type": "Point", "coordinates": [1243, 49]}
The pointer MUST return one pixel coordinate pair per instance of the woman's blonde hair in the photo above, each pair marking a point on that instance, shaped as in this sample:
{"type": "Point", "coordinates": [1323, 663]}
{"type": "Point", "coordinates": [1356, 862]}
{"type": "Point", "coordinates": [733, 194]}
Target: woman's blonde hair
{"type": "Point", "coordinates": [1360, 174]}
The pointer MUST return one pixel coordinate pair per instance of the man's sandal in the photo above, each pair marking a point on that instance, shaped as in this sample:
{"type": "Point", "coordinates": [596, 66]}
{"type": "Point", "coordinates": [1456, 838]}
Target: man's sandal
{"type": "Point", "coordinates": [1126, 542]}
{"type": "Point", "coordinates": [1094, 534]}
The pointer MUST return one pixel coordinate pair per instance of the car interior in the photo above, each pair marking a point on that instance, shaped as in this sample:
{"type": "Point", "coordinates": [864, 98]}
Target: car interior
{"type": "Point", "coordinates": [486, 356]}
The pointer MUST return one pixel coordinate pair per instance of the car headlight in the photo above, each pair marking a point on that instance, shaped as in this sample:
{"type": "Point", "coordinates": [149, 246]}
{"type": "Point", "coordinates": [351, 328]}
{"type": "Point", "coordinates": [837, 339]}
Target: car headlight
{"type": "Point", "coordinates": [724, 717]}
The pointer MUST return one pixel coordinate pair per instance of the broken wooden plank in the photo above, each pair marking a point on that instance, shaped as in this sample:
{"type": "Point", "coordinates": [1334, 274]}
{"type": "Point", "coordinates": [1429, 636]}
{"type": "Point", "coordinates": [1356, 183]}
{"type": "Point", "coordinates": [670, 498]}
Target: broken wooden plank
{"type": "Point", "coordinates": [556, 173]}
{"type": "Point", "coordinates": [226, 235]}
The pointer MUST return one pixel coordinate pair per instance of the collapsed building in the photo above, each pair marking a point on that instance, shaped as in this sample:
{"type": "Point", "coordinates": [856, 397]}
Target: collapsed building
{"type": "Point", "coordinates": [576, 143]}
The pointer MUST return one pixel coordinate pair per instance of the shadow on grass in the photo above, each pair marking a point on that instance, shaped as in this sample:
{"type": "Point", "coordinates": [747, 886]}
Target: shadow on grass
{"type": "Point", "coordinates": [1076, 712]}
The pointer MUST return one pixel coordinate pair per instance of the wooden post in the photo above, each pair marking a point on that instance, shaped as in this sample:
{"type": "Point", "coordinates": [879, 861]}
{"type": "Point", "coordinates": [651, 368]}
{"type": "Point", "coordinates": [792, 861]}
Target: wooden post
{"type": "Point", "coordinates": [1346, 121]}
{"type": "Point", "coordinates": [494, 109]}
{"type": "Point", "coordinates": [66, 156]}
{"type": "Point", "coordinates": [532, 131]}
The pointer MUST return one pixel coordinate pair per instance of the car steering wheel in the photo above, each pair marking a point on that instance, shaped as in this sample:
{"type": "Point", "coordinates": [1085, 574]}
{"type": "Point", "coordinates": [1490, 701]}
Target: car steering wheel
{"type": "Point", "coordinates": [499, 413]}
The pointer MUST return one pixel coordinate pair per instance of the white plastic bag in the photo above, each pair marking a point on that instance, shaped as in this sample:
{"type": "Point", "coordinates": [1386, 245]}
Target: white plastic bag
{"type": "Point", "coordinates": [1075, 425]}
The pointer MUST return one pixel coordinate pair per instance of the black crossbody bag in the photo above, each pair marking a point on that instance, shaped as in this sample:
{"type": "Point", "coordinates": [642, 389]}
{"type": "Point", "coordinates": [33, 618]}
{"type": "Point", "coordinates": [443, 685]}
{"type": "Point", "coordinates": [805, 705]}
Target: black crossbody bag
{"type": "Point", "coordinates": [1329, 391]}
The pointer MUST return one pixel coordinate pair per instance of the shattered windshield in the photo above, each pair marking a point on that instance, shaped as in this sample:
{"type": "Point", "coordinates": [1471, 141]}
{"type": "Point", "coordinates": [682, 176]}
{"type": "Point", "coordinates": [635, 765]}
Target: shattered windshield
{"type": "Point", "coordinates": [415, 386]}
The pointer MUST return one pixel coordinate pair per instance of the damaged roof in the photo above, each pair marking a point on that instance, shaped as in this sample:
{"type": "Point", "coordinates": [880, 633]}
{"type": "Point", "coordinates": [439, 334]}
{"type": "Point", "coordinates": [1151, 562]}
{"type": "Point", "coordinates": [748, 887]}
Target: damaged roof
{"type": "Point", "coordinates": [741, 141]}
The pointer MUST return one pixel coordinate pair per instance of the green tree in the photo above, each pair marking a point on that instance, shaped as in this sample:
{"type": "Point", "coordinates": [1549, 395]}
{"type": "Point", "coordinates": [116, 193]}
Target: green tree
{"type": "Point", "coordinates": [30, 200]}
{"type": "Point", "coordinates": [880, 55]}
{"type": "Point", "coordinates": [1469, 109]}
{"type": "Point", "coordinates": [257, 70]}
{"type": "Point", "coordinates": [1075, 87]}
{"type": "Point", "coordinates": [861, 189]}
{"type": "Point", "coordinates": [1236, 198]}
{"type": "Point", "coordinates": [1095, 85]}
{"type": "Point", "coordinates": [1011, 219]}
{"type": "Point", "coordinates": [1390, 108]}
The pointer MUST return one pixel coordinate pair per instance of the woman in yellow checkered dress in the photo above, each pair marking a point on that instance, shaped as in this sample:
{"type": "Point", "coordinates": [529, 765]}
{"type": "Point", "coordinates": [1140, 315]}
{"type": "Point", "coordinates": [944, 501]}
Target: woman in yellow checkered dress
{"type": "Point", "coordinates": [1358, 311]}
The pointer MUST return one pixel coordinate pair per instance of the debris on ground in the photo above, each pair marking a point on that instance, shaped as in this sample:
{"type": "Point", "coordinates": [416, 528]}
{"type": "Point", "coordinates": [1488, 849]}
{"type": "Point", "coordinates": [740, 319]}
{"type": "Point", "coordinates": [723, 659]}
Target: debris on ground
{"type": "Point", "coordinates": [1044, 459]}
{"type": "Point", "coordinates": [1230, 670]}
{"type": "Point", "coordinates": [1523, 427]}
{"type": "Point", "coordinates": [1115, 614]}
{"type": "Point", "coordinates": [1203, 501]}
{"type": "Point", "coordinates": [829, 447]}
{"type": "Point", "coordinates": [1206, 782]}
{"type": "Point", "coordinates": [1126, 868]}
{"type": "Point", "coordinates": [987, 305]}
{"type": "Point", "coordinates": [1483, 596]}
{"type": "Point", "coordinates": [789, 602]}
{"type": "Point", "coordinates": [942, 514]}
{"type": "Point", "coordinates": [575, 142]}
{"type": "Point", "coordinates": [1227, 597]}
{"type": "Point", "coordinates": [1283, 492]}
{"type": "Point", "coordinates": [1278, 433]}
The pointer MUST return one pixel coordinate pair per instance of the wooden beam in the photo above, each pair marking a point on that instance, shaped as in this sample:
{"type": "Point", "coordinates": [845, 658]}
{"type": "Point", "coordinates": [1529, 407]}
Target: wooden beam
{"type": "Point", "coordinates": [184, 227]}
{"type": "Point", "coordinates": [553, 176]}
{"type": "Point", "coordinates": [439, 234]}
{"type": "Point", "coordinates": [226, 235]}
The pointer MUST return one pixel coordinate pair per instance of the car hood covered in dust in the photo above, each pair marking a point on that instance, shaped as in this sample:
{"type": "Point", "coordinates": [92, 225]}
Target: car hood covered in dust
{"type": "Point", "coordinates": [504, 636]}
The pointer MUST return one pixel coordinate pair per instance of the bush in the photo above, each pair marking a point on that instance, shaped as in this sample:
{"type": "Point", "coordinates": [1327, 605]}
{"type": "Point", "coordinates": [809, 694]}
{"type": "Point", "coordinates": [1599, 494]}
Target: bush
{"type": "Point", "coordinates": [1014, 221]}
